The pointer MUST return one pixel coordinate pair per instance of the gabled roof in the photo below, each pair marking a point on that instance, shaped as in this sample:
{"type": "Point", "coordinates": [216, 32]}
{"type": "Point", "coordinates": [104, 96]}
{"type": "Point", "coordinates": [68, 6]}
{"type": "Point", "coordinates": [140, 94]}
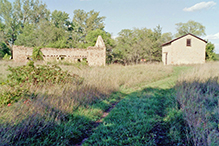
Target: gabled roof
{"type": "Point", "coordinates": [182, 37]}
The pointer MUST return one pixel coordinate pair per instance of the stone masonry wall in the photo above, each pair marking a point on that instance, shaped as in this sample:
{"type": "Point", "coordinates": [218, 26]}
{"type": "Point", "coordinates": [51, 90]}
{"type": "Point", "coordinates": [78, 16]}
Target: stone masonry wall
{"type": "Point", "coordinates": [96, 56]}
{"type": "Point", "coordinates": [20, 53]}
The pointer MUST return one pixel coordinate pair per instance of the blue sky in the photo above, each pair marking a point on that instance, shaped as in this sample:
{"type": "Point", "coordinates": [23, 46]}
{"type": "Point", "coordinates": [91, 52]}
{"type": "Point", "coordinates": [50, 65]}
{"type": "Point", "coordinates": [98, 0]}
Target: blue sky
{"type": "Point", "coordinates": [129, 14]}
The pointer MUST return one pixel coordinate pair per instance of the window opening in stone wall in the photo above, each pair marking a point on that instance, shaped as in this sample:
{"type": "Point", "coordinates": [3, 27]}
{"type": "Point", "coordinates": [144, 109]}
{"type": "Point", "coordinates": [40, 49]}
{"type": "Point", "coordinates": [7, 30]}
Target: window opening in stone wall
{"type": "Point", "coordinates": [62, 57]}
{"type": "Point", "coordinates": [79, 60]}
{"type": "Point", "coordinates": [188, 42]}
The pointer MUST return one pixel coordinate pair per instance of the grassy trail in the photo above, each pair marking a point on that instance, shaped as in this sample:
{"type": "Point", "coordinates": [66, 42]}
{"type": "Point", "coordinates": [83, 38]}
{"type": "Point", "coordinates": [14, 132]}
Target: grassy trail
{"type": "Point", "coordinates": [117, 109]}
{"type": "Point", "coordinates": [148, 115]}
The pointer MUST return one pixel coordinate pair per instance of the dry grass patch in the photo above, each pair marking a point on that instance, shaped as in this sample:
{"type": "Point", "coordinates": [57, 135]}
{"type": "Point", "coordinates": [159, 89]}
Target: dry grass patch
{"type": "Point", "coordinates": [115, 76]}
{"type": "Point", "coordinates": [198, 95]}
{"type": "Point", "coordinates": [63, 113]}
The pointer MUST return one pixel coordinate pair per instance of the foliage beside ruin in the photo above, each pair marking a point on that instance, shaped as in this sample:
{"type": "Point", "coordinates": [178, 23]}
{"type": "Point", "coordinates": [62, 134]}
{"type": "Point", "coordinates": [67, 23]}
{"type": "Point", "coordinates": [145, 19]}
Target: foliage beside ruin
{"type": "Point", "coordinates": [6, 57]}
{"type": "Point", "coordinates": [65, 113]}
{"type": "Point", "coordinates": [22, 78]}
{"type": "Point", "coordinates": [37, 54]}
{"type": "Point", "coordinates": [151, 109]}
{"type": "Point", "coordinates": [4, 50]}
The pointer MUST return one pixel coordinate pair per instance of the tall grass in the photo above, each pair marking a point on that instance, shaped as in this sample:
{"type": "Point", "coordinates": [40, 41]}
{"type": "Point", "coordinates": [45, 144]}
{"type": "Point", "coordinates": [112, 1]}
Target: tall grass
{"type": "Point", "coordinates": [198, 96]}
{"type": "Point", "coordinates": [115, 76]}
{"type": "Point", "coordinates": [63, 113]}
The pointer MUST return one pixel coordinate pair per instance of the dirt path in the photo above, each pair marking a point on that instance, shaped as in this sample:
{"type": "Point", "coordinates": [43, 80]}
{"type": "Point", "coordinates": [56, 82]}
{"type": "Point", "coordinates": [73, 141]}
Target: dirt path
{"type": "Point", "coordinates": [98, 122]}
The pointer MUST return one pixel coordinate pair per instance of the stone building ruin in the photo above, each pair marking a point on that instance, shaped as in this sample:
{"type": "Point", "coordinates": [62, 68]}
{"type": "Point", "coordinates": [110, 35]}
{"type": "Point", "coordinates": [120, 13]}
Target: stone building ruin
{"type": "Point", "coordinates": [95, 56]}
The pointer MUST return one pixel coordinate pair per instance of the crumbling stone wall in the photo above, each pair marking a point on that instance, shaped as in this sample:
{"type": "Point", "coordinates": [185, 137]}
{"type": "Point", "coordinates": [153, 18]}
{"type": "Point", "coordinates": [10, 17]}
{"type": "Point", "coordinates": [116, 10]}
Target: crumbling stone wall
{"type": "Point", "coordinates": [69, 55]}
{"type": "Point", "coordinates": [96, 56]}
{"type": "Point", "coordinates": [21, 53]}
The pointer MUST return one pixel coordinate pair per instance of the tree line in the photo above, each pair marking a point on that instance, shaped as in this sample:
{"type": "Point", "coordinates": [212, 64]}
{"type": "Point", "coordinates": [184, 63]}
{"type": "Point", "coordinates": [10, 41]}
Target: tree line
{"type": "Point", "coordinates": [29, 23]}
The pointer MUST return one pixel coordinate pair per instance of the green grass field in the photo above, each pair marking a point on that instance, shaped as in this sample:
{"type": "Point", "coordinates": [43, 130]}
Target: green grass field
{"type": "Point", "coordinates": [147, 116]}
{"type": "Point", "coordinates": [115, 105]}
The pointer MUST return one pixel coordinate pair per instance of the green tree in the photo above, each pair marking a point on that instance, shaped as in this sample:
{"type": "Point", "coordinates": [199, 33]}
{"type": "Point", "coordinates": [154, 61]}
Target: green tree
{"type": "Point", "coordinates": [88, 21]}
{"type": "Point", "coordinates": [17, 15]}
{"type": "Point", "coordinates": [60, 19]}
{"type": "Point", "coordinates": [27, 37]}
{"type": "Point", "coordinates": [10, 26]}
{"type": "Point", "coordinates": [134, 45]}
{"type": "Point", "coordinates": [44, 34]}
{"type": "Point", "coordinates": [30, 11]}
{"type": "Point", "coordinates": [210, 55]}
{"type": "Point", "coordinates": [156, 44]}
{"type": "Point", "coordinates": [192, 27]}
{"type": "Point", "coordinates": [143, 44]}
{"type": "Point", "coordinates": [123, 51]}
{"type": "Point", "coordinates": [166, 37]}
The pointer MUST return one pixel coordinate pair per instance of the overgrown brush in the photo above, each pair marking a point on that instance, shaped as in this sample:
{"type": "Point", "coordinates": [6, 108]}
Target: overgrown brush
{"type": "Point", "coordinates": [60, 111]}
{"type": "Point", "coordinates": [198, 96]}
{"type": "Point", "coordinates": [23, 77]}
{"type": "Point", "coordinates": [37, 53]}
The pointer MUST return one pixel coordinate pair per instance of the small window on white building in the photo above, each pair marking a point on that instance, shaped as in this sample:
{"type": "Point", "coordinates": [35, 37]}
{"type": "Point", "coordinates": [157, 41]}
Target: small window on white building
{"type": "Point", "coordinates": [188, 42]}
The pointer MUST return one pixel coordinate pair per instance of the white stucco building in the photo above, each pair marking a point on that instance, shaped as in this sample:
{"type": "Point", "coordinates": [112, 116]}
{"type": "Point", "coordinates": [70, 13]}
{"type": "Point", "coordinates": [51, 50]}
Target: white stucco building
{"type": "Point", "coordinates": [187, 49]}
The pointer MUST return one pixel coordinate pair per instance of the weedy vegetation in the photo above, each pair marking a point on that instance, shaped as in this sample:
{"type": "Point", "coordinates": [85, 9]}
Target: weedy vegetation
{"type": "Point", "coordinates": [61, 105]}
{"type": "Point", "coordinates": [46, 105]}
{"type": "Point", "coordinates": [198, 96]}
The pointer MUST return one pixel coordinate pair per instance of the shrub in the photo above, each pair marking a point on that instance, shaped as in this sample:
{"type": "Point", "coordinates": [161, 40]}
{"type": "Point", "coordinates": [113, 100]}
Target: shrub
{"type": "Point", "coordinates": [64, 113]}
{"type": "Point", "coordinates": [37, 54]}
{"type": "Point", "coordinates": [22, 77]}
{"type": "Point", "coordinates": [30, 74]}
{"type": "Point", "coordinates": [4, 49]}
{"type": "Point", "coordinates": [7, 56]}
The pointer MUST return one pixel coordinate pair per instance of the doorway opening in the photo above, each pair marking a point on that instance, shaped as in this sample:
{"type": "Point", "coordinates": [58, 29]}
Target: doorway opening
{"type": "Point", "coordinates": [166, 54]}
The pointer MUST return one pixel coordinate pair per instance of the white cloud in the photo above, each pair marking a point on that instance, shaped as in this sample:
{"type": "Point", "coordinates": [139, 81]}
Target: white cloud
{"type": "Point", "coordinates": [200, 6]}
{"type": "Point", "coordinates": [212, 36]}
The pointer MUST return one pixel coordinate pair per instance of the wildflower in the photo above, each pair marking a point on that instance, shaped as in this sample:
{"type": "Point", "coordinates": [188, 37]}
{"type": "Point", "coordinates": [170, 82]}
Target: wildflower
{"type": "Point", "coordinates": [9, 104]}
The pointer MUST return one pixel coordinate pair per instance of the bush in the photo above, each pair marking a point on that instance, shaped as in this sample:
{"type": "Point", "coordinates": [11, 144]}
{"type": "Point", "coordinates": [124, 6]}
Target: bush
{"type": "Point", "coordinates": [7, 57]}
{"type": "Point", "coordinates": [4, 50]}
{"type": "Point", "coordinates": [22, 77]}
{"type": "Point", "coordinates": [37, 54]}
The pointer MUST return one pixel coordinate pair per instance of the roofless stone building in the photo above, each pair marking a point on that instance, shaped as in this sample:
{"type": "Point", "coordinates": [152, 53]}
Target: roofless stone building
{"type": "Point", "coordinates": [95, 56]}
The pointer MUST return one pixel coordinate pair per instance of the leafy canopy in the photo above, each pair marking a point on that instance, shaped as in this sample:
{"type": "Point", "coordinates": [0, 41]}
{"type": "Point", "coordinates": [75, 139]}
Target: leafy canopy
{"type": "Point", "coordinates": [137, 44]}
{"type": "Point", "coordinates": [192, 27]}
{"type": "Point", "coordinates": [210, 55]}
